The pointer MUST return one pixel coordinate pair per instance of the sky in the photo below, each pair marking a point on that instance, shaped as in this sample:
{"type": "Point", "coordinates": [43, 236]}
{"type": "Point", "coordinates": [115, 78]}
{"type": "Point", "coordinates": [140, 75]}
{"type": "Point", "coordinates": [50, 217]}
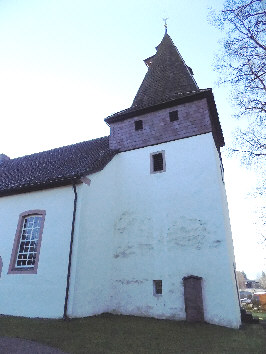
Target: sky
{"type": "Point", "coordinates": [65, 65]}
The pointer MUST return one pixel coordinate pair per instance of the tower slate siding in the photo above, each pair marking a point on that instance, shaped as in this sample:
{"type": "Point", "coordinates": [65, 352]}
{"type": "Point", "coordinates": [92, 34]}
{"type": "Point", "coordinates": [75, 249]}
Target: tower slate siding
{"type": "Point", "coordinates": [193, 119]}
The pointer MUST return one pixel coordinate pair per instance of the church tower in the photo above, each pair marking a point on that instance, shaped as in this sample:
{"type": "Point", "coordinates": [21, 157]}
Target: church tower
{"type": "Point", "coordinates": [168, 105]}
{"type": "Point", "coordinates": [135, 223]}
{"type": "Point", "coordinates": [172, 245]}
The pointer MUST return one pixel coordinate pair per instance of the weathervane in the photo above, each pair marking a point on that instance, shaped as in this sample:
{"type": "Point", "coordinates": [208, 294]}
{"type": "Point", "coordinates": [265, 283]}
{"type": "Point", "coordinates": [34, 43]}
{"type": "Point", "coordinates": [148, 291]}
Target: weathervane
{"type": "Point", "coordinates": [165, 23]}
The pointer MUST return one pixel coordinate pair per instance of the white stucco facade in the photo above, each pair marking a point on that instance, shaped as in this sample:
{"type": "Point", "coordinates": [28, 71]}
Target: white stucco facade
{"type": "Point", "coordinates": [132, 227]}
{"type": "Point", "coordinates": [41, 294]}
{"type": "Point", "coordinates": [135, 227]}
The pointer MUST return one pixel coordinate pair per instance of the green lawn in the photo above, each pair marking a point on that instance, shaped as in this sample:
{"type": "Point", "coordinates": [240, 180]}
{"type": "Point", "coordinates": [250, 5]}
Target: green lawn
{"type": "Point", "coordinates": [258, 314]}
{"type": "Point", "coordinates": [127, 334]}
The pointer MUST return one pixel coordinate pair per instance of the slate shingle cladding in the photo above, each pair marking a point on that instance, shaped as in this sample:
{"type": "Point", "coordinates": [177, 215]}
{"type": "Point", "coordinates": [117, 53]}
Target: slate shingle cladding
{"type": "Point", "coordinates": [56, 167]}
{"type": "Point", "coordinates": [167, 77]}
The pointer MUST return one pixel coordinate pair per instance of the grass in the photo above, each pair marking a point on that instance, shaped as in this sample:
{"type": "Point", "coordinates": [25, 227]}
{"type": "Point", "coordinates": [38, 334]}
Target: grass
{"type": "Point", "coordinates": [258, 314]}
{"type": "Point", "coordinates": [127, 334]}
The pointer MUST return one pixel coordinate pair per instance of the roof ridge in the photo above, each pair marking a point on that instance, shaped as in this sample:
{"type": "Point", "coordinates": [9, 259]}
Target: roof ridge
{"type": "Point", "coordinates": [55, 149]}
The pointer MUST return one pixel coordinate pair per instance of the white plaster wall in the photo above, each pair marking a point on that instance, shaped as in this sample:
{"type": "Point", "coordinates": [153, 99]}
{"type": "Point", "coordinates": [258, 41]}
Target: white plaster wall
{"type": "Point", "coordinates": [136, 227]}
{"type": "Point", "coordinates": [41, 294]}
{"type": "Point", "coordinates": [91, 271]}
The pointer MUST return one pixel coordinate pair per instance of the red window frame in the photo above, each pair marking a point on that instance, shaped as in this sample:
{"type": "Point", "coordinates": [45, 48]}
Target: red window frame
{"type": "Point", "coordinates": [13, 269]}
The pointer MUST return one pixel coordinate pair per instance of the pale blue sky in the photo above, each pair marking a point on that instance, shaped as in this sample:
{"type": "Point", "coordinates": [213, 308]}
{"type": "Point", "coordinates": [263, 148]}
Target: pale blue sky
{"type": "Point", "coordinates": [65, 65]}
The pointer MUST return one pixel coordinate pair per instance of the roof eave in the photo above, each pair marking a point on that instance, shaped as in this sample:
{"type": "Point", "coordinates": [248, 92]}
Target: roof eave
{"type": "Point", "coordinates": [38, 187]}
{"type": "Point", "coordinates": [56, 183]}
{"type": "Point", "coordinates": [129, 113]}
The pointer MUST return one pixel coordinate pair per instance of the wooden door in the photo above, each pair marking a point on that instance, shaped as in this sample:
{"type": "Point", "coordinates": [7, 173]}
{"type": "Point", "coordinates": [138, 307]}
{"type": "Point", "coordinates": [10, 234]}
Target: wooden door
{"type": "Point", "coordinates": [193, 299]}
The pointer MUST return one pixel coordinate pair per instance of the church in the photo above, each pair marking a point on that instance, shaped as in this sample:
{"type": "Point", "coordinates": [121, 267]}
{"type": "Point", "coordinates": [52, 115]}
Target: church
{"type": "Point", "coordinates": [134, 223]}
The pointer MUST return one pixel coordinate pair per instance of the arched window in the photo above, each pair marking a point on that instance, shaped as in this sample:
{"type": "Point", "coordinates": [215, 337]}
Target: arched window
{"type": "Point", "coordinates": [27, 243]}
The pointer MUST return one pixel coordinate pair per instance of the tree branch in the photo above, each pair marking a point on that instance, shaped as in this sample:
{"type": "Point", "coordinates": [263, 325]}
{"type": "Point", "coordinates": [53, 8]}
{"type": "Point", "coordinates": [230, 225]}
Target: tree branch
{"type": "Point", "coordinates": [250, 152]}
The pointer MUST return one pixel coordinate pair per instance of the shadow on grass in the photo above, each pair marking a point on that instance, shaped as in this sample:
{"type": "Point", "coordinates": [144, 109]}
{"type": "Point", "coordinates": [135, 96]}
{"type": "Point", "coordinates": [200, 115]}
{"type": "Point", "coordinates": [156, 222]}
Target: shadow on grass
{"type": "Point", "coordinates": [128, 334]}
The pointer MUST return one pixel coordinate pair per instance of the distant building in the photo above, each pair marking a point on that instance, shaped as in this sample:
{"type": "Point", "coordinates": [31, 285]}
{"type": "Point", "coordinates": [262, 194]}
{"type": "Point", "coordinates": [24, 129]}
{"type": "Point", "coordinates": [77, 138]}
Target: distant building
{"type": "Point", "coordinates": [134, 223]}
{"type": "Point", "coordinates": [252, 284]}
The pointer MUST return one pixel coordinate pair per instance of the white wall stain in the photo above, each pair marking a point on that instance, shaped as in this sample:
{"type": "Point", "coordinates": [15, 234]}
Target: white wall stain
{"type": "Point", "coordinates": [130, 281]}
{"type": "Point", "coordinates": [188, 232]}
{"type": "Point", "coordinates": [124, 252]}
{"type": "Point", "coordinates": [215, 244]}
{"type": "Point", "coordinates": [124, 222]}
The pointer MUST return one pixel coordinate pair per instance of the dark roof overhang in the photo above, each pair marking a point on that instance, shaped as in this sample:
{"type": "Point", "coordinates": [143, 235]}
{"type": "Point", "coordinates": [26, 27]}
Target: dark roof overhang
{"type": "Point", "coordinates": [54, 168]}
{"type": "Point", "coordinates": [34, 187]}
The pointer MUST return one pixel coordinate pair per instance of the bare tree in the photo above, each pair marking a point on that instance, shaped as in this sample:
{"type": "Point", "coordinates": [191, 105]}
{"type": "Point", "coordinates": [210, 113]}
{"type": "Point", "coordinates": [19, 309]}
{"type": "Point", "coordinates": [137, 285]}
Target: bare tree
{"type": "Point", "coordinates": [242, 64]}
{"type": "Point", "coordinates": [240, 280]}
{"type": "Point", "coordinates": [262, 280]}
{"type": "Point", "coordinates": [251, 144]}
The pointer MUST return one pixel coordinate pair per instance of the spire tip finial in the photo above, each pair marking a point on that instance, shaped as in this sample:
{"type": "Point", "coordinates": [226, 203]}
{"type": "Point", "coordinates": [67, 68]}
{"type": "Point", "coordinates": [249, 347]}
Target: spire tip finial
{"type": "Point", "coordinates": [165, 24]}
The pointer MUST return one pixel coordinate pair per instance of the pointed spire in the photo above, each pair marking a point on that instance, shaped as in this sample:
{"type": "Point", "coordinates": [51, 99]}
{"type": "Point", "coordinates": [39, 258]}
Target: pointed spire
{"type": "Point", "coordinates": [168, 76]}
{"type": "Point", "coordinates": [165, 24]}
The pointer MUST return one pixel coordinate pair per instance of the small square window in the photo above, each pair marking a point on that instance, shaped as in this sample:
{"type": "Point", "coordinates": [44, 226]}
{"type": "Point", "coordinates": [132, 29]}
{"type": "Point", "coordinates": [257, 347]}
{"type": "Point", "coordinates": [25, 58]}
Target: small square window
{"type": "Point", "coordinates": [158, 162]}
{"type": "Point", "coordinates": [157, 287]}
{"type": "Point", "coordinates": [173, 116]}
{"type": "Point", "coordinates": [138, 124]}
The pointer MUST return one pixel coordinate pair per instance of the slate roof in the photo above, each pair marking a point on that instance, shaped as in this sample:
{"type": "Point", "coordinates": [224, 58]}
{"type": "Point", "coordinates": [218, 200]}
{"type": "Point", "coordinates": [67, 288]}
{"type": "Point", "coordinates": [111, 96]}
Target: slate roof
{"type": "Point", "coordinates": [56, 167]}
{"type": "Point", "coordinates": [167, 76]}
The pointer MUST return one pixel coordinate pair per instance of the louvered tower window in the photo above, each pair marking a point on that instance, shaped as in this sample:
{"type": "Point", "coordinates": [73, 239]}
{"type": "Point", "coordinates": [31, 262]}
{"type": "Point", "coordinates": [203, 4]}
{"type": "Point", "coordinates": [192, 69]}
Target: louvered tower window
{"type": "Point", "coordinates": [138, 124]}
{"type": "Point", "coordinates": [173, 116]}
{"type": "Point", "coordinates": [158, 162]}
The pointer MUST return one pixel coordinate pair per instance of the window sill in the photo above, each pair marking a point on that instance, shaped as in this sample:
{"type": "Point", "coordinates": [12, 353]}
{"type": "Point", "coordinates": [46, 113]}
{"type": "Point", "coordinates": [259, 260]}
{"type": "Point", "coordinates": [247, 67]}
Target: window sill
{"type": "Point", "coordinates": [22, 271]}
